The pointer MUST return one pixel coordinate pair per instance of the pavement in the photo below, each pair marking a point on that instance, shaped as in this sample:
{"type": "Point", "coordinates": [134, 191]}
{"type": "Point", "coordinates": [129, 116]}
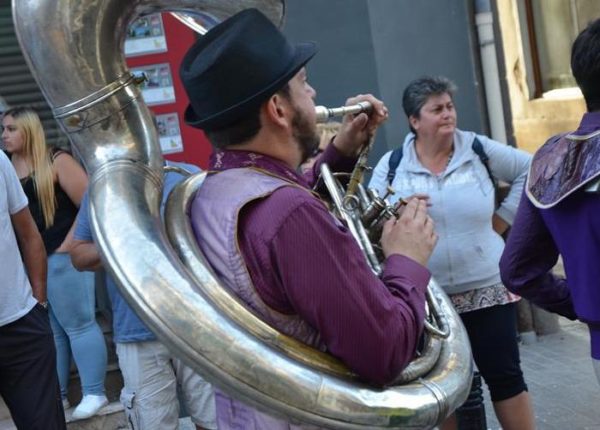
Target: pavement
{"type": "Point", "coordinates": [560, 377]}
{"type": "Point", "coordinates": [558, 371]}
{"type": "Point", "coordinates": [561, 380]}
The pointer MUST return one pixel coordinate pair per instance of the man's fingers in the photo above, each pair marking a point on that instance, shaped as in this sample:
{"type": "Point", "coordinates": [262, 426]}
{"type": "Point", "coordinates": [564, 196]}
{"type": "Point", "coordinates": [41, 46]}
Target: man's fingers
{"type": "Point", "coordinates": [388, 225]}
{"type": "Point", "coordinates": [434, 239]}
{"type": "Point", "coordinates": [429, 221]}
{"type": "Point", "coordinates": [359, 122]}
{"type": "Point", "coordinates": [429, 226]}
{"type": "Point", "coordinates": [421, 212]}
{"type": "Point", "coordinates": [380, 111]}
{"type": "Point", "coordinates": [420, 196]}
{"type": "Point", "coordinates": [410, 209]}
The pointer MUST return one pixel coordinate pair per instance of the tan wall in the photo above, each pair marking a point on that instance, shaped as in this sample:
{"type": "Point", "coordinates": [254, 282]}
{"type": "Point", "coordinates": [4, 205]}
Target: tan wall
{"type": "Point", "coordinates": [533, 120]}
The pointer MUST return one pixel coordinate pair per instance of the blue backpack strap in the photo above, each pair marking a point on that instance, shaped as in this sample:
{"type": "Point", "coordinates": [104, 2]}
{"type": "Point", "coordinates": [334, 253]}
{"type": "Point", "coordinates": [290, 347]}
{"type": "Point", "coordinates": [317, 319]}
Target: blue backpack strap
{"type": "Point", "coordinates": [478, 149]}
{"type": "Point", "coordinates": [393, 164]}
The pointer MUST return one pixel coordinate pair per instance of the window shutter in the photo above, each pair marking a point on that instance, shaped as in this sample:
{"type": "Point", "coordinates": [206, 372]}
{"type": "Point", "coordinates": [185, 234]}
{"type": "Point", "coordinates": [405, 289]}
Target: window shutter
{"type": "Point", "coordinates": [17, 85]}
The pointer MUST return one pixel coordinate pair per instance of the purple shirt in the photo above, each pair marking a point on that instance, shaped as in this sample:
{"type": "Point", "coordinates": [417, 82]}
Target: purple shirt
{"type": "Point", "coordinates": [303, 262]}
{"type": "Point", "coordinates": [570, 228]}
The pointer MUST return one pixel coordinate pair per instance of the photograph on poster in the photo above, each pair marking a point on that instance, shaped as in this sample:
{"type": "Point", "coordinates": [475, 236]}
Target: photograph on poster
{"type": "Point", "coordinates": [169, 133]}
{"type": "Point", "coordinates": [158, 87]}
{"type": "Point", "coordinates": [146, 35]}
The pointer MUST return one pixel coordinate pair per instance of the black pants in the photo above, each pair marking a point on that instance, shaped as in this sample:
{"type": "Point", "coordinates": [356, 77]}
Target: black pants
{"type": "Point", "coordinates": [28, 379]}
{"type": "Point", "coordinates": [493, 336]}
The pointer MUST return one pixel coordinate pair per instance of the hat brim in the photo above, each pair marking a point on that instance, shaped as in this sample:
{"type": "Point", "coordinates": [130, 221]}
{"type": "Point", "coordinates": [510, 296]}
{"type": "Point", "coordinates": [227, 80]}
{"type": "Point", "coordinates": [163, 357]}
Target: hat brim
{"type": "Point", "coordinates": [304, 52]}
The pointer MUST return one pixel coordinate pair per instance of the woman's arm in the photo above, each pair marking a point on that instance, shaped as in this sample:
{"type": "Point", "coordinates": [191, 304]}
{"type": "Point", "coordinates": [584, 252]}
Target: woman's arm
{"type": "Point", "coordinates": [509, 165]}
{"type": "Point", "coordinates": [84, 253]}
{"type": "Point", "coordinates": [85, 256]}
{"type": "Point", "coordinates": [73, 180]}
{"type": "Point", "coordinates": [71, 176]}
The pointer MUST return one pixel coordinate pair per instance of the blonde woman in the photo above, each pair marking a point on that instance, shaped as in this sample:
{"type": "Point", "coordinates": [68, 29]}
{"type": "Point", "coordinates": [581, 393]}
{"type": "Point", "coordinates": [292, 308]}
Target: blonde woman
{"type": "Point", "coordinates": [54, 184]}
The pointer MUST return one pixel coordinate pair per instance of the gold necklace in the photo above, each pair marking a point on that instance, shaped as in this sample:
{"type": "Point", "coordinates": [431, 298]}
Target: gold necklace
{"type": "Point", "coordinates": [449, 158]}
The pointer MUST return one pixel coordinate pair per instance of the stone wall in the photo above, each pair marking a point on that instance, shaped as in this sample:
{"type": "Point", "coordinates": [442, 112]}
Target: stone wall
{"type": "Point", "coordinates": [533, 120]}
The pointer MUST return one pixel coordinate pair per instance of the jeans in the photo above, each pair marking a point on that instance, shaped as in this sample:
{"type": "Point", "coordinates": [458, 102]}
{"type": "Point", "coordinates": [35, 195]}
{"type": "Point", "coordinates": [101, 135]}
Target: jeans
{"type": "Point", "coordinates": [72, 317]}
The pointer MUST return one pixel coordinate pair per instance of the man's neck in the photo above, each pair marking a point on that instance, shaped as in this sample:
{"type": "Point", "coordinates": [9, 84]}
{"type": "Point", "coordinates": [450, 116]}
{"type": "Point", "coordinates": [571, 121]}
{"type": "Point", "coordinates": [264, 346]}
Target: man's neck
{"type": "Point", "coordinates": [282, 148]}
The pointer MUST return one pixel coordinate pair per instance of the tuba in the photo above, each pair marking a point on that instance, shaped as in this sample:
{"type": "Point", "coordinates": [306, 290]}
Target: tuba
{"type": "Point", "coordinates": [74, 49]}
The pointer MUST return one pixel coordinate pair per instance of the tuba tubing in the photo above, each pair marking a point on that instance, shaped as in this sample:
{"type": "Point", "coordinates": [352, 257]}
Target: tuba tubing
{"type": "Point", "coordinates": [98, 105]}
{"type": "Point", "coordinates": [336, 394]}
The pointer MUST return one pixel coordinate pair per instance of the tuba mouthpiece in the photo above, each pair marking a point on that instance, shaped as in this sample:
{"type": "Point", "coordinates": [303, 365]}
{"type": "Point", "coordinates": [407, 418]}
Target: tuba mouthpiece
{"type": "Point", "coordinates": [325, 113]}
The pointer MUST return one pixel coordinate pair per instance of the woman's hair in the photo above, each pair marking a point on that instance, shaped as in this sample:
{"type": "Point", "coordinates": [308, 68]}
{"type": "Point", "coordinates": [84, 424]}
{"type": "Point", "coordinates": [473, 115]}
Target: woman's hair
{"type": "Point", "coordinates": [585, 64]}
{"type": "Point", "coordinates": [418, 91]}
{"type": "Point", "coordinates": [37, 156]}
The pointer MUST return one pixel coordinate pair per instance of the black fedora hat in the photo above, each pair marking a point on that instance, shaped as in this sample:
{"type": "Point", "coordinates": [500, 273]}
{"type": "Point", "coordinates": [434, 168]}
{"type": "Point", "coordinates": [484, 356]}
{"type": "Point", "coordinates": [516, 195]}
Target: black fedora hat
{"type": "Point", "coordinates": [236, 66]}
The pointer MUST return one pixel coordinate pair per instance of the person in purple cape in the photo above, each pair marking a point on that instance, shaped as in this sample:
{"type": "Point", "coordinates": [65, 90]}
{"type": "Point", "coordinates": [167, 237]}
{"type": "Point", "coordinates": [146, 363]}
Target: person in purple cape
{"type": "Point", "coordinates": [267, 236]}
{"type": "Point", "coordinates": [558, 213]}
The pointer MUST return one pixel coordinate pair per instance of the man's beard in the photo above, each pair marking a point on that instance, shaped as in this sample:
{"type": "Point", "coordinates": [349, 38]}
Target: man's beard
{"type": "Point", "coordinates": [305, 133]}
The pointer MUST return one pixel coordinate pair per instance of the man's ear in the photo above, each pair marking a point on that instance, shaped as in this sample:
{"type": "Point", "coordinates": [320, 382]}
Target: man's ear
{"type": "Point", "coordinates": [277, 110]}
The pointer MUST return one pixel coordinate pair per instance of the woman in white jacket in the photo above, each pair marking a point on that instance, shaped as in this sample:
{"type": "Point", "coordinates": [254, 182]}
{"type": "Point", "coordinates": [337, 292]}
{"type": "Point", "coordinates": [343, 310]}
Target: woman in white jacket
{"type": "Point", "coordinates": [442, 162]}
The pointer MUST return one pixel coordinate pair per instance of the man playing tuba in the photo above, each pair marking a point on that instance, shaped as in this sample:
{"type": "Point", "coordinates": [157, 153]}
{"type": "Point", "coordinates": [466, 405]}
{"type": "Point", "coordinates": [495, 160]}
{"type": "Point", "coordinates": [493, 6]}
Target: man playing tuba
{"type": "Point", "coordinates": [268, 238]}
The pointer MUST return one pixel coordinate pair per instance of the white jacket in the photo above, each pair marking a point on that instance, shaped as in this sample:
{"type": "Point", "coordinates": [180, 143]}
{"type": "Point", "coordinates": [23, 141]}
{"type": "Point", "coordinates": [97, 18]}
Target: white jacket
{"type": "Point", "coordinates": [468, 250]}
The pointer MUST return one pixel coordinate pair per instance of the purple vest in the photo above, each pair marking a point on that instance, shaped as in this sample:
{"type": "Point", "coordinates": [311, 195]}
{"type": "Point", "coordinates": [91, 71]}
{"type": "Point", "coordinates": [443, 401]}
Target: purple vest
{"type": "Point", "coordinates": [216, 206]}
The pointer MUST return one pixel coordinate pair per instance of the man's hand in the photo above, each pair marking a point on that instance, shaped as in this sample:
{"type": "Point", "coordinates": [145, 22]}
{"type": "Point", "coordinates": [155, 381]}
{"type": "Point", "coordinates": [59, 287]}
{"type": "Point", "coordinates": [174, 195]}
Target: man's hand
{"type": "Point", "coordinates": [412, 235]}
{"type": "Point", "coordinates": [357, 130]}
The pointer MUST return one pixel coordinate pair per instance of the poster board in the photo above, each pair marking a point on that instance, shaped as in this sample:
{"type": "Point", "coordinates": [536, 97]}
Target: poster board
{"type": "Point", "coordinates": [169, 133]}
{"type": "Point", "coordinates": [158, 87]}
{"type": "Point", "coordinates": [146, 35]}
